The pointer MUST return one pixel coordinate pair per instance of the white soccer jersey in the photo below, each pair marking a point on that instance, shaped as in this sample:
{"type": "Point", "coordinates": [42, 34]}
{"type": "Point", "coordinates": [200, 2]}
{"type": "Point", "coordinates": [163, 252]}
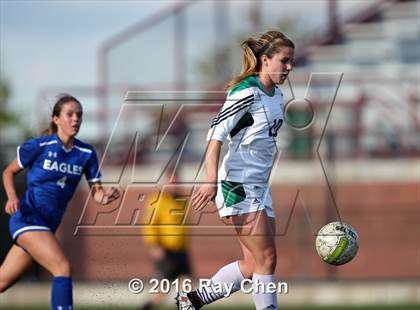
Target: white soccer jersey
{"type": "Point", "coordinates": [249, 120]}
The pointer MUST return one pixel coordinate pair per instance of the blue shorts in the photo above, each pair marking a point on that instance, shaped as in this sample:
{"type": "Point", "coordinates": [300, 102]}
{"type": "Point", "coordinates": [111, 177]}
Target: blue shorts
{"type": "Point", "coordinates": [31, 221]}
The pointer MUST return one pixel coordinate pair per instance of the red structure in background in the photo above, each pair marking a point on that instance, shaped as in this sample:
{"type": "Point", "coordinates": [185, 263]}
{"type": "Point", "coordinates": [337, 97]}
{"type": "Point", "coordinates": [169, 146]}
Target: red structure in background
{"type": "Point", "coordinates": [385, 215]}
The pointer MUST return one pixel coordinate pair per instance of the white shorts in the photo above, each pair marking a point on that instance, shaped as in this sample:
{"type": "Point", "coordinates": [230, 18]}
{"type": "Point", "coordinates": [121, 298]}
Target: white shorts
{"type": "Point", "coordinates": [235, 198]}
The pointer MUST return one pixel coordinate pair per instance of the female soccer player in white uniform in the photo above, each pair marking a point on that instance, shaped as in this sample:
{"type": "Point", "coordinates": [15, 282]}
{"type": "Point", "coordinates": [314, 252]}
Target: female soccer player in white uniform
{"type": "Point", "coordinates": [56, 163]}
{"type": "Point", "coordinates": [249, 120]}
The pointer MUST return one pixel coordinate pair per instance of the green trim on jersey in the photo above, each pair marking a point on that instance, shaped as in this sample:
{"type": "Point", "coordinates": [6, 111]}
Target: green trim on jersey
{"type": "Point", "coordinates": [245, 121]}
{"type": "Point", "coordinates": [233, 192]}
{"type": "Point", "coordinates": [250, 81]}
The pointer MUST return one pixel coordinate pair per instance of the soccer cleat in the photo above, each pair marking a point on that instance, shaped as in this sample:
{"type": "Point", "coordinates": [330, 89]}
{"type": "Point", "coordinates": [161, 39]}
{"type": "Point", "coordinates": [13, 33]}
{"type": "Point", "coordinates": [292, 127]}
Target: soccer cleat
{"type": "Point", "coordinates": [183, 302]}
{"type": "Point", "coordinates": [270, 307]}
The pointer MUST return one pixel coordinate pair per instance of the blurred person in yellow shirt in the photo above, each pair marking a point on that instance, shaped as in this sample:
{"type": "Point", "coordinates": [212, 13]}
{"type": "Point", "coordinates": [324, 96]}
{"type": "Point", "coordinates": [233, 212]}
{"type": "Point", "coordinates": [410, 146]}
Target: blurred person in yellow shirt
{"type": "Point", "coordinates": [166, 235]}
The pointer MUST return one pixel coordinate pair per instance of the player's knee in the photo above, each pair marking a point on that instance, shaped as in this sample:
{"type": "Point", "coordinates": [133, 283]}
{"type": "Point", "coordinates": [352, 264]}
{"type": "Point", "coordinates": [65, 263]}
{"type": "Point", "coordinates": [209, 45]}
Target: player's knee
{"type": "Point", "coordinates": [270, 259]}
{"type": "Point", "coordinates": [3, 282]}
{"type": "Point", "coordinates": [247, 267]}
{"type": "Point", "coordinates": [267, 259]}
{"type": "Point", "coordinates": [62, 268]}
{"type": "Point", "coordinates": [4, 285]}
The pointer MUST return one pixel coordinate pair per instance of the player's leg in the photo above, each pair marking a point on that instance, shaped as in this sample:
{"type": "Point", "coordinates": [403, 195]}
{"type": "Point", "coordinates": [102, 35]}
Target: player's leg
{"type": "Point", "coordinates": [247, 263]}
{"type": "Point", "coordinates": [44, 249]}
{"type": "Point", "coordinates": [261, 243]}
{"type": "Point", "coordinates": [13, 266]}
{"type": "Point", "coordinates": [226, 281]}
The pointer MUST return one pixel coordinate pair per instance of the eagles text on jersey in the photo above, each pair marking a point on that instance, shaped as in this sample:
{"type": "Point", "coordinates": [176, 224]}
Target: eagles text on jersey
{"type": "Point", "coordinates": [54, 173]}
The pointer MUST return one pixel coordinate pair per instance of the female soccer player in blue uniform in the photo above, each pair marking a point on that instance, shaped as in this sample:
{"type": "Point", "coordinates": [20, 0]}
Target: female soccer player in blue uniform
{"type": "Point", "coordinates": [56, 163]}
{"type": "Point", "coordinates": [249, 120]}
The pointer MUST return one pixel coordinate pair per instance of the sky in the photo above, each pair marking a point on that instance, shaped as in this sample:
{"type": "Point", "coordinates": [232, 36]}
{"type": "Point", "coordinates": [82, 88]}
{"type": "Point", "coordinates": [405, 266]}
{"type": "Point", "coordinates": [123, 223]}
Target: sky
{"type": "Point", "coordinates": [55, 43]}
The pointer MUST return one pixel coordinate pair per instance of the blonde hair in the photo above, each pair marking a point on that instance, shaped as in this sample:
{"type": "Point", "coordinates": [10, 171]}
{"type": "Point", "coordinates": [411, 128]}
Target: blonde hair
{"type": "Point", "coordinates": [62, 99]}
{"type": "Point", "coordinates": [268, 44]}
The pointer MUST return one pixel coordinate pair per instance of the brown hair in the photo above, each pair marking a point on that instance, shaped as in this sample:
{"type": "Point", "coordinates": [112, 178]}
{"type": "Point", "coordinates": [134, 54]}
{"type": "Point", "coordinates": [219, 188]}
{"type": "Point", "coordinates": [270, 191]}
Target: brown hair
{"type": "Point", "coordinates": [62, 99]}
{"type": "Point", "coordinates": [268, 44]}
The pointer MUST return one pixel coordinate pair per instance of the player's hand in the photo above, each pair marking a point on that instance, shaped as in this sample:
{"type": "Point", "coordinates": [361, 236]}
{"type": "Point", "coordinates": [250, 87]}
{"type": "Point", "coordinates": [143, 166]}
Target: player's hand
{"type": "Point", "coordinates": [107, 196]}
{"type": "Point", "coordinates": [203, 196]}
{"type": "Point", "coordinates": [12, 205]}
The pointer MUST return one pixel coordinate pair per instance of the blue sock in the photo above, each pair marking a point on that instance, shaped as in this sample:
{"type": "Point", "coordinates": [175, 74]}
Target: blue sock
{"type": "Point", "coordinates": [62, 293]}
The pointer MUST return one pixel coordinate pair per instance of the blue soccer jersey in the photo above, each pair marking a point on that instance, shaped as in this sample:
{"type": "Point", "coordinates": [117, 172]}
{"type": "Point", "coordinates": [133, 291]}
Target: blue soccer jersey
{"type": "Point", "coordinates": [54, 173]}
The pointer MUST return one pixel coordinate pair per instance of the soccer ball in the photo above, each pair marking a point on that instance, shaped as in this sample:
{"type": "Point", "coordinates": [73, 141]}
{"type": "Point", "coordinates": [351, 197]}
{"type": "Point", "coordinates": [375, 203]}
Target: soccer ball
{"type": "Point", "coordinates": [337, 243]}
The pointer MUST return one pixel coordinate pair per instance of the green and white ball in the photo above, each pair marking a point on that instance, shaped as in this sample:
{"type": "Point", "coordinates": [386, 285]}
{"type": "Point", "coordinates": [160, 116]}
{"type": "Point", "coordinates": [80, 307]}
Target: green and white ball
{"type": "Point", "coordinates": [337, 243]}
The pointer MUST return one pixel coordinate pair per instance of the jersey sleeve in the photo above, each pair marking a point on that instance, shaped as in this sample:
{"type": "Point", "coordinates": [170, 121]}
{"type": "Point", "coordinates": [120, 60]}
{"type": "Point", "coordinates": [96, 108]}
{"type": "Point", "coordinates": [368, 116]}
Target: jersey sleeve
{"type": "Point", "coordinates": [28, 152]}
{"type": "Point", "coordinates": [91, 169]}
{"type": "Point", "coordinates": [232, 111]}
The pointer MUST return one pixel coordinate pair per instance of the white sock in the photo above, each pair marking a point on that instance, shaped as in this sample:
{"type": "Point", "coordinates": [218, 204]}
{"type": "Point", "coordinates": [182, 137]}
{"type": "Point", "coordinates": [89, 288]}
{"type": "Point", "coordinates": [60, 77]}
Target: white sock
{"type": "Point", "coordinates": [225, 282]}
{"type": "Point", "coordinates": [261, 297]}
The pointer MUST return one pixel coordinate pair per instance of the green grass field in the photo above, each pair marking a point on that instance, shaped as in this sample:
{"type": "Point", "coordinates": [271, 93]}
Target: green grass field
{"type": "Point", "coordinates": [374, 307]}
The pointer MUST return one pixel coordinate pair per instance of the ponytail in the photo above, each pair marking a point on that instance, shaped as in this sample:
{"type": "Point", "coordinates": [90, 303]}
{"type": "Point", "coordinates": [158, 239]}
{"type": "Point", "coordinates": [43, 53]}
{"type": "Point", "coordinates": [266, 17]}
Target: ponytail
{"type": "Point", "coordinates": [51, 129]}
{"type": "Point", "coordinates": [250, 63]}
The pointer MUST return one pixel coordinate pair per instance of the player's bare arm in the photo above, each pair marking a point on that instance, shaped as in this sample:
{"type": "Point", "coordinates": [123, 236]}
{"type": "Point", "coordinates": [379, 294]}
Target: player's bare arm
{"type": "Point", "coordinates": [9, 173]}
{"type": "Point", "coordinates": [207, 192]}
